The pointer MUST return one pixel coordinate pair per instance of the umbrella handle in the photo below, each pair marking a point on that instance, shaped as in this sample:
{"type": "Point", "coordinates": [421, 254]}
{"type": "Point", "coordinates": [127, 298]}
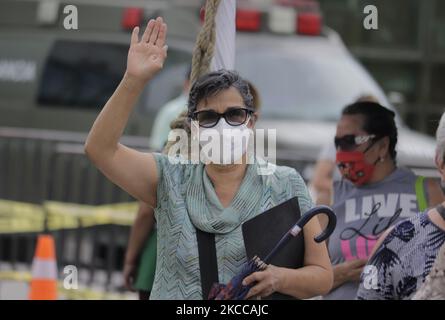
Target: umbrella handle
{"type": "Point", "coordinates": [296, 229]}
{"type": "Point", "coordinates": [313, 212]}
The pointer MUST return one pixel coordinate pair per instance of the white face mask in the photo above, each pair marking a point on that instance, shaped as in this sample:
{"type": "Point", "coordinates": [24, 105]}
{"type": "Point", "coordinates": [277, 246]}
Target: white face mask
{"type": "Point", "coordinates": [224, 144]}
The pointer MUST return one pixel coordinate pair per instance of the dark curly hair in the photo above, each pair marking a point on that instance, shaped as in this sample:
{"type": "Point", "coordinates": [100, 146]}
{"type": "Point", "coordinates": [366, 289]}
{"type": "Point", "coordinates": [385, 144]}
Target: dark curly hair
{"type": "Point", "coordinates": [378, 120]}
{"type": "Point", "coordinates": [213, 82]}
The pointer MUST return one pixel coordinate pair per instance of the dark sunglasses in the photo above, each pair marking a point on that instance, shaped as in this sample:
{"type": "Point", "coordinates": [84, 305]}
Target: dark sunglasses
{"type": "Point", "coordinates": [350, 141]}
{"type": "Point", "coordinates": [234, 116]}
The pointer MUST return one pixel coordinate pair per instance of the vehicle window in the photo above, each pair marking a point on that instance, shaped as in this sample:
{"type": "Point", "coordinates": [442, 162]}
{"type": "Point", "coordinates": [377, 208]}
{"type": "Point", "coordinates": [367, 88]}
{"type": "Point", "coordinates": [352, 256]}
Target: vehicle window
{"type": "Point", "coordinates": [305, 87]}
{"type": "Point", "coordinates": [85, 75]}
{"type": "Point", "coordinates": [81, 74]}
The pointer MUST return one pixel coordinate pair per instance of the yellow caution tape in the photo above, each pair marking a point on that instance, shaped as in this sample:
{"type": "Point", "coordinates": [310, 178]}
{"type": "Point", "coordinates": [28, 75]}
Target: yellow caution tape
{"type": "Point", "coordinates": [15, 276]}
{"type": "Point", "coordinates": [17, 217]}
{"type": "Point", "coordinates": [20, 217]}
{"type": "Point", "coordinates": [70, 215]}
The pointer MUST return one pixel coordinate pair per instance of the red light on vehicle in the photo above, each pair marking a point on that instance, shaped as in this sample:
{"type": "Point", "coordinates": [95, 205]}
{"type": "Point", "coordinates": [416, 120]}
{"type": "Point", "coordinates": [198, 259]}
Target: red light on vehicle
{"type": "Point", "coordinates": [248, 20]}
{"type": "Point", "coordinates": [309, 23]}
{"type": "Point", "coordinates": [131, 18]}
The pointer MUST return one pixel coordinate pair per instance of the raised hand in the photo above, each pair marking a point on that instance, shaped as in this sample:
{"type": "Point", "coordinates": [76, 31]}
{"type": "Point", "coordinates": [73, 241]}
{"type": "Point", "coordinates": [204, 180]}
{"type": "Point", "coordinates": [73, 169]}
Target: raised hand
{"type": "Point", "coordinates": [147, 55]}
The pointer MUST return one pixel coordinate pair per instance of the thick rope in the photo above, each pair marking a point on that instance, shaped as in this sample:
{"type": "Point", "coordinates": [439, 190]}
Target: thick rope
{"type": "Point", "coordinates": [205, 43]}
{"type": "Point", "coordinates": [219, 23]}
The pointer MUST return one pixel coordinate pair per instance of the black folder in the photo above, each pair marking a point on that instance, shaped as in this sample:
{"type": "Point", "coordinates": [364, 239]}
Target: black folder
{"type": "Point", "coordinates": [264, 231]}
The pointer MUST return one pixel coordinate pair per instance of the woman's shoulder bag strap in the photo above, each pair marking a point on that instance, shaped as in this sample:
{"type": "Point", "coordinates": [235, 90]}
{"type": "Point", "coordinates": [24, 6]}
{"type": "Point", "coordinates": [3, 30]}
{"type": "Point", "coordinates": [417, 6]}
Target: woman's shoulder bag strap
{"type": "Point", "coordinates": [208, 265]}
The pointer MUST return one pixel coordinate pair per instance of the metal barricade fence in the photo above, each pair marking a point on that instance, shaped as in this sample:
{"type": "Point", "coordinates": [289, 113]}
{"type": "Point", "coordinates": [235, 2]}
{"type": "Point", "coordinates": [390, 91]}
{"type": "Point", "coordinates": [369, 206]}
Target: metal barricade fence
{"type": "Point", "coordinates": [37, 166]}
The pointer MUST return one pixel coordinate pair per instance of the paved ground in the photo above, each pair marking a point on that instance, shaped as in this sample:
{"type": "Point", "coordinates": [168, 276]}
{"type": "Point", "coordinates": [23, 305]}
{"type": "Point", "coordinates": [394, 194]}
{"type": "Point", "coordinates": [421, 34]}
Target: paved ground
{"type": "Point", "coordinates": [13, 286]}
{"type": "Point", "coordinates": [13, 290]}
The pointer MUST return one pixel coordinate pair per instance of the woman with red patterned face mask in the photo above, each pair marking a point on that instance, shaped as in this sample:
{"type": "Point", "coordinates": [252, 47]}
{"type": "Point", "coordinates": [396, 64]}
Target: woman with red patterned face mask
{"type": "Point", "coordinates": [365, 141]}
{"type": "Point", "coordinates": [353, 165]}
{"type": "Point", "coordinates": [364, 157]}
{"type": "Point", "coordinates": [373, 194]}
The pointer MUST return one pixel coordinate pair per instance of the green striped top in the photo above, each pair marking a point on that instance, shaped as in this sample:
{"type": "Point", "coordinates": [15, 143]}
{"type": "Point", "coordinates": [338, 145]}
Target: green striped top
{"type": "Point", "coordinates": [187, 200]}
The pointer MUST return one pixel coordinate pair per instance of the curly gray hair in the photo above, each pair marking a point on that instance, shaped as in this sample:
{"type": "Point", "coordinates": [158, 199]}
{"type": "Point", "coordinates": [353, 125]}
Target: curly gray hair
{"type": "Point", "coordinates": [216, 81]}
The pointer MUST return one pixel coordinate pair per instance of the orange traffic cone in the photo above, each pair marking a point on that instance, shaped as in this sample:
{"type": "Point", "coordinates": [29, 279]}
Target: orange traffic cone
{"type": "Point", "coordinates": [44, 270]}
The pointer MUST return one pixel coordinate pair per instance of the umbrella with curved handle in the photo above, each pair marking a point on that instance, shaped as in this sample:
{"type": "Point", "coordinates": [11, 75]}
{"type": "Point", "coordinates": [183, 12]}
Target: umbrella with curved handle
{"type": "Point", "coordinates": [296, 229]}
{"type": "Point", "coordinates": [234, 290]}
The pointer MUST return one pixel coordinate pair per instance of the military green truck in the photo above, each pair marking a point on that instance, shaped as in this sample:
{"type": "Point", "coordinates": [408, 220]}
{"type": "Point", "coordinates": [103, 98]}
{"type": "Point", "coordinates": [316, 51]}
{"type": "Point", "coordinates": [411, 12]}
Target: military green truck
{"type": "Point", "coordinates": [58, 79]}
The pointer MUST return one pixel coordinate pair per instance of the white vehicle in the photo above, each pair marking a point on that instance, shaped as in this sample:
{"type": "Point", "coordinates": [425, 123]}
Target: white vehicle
{"type": "Point", "coordinates": [305, 80]}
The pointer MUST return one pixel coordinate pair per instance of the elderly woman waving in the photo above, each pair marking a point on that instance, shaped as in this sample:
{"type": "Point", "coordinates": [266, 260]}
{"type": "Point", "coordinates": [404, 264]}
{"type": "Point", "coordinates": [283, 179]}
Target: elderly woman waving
{"type": "Point", "coordinates": [213, 197]}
